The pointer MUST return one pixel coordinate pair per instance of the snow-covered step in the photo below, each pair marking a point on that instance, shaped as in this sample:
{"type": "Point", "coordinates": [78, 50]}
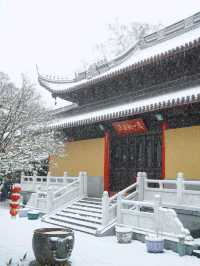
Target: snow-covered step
{"type": "Point", "coordinates": [90, 202]}
{"type": "Point", "coordinates": [82, 212]}
{"type": "Point", "coordinates": [83, 204]}
{"type": "Point", "coordinates": [74, 221]}
{"type": "Point", "coordinates": [83, 215]}
{"type": "Point", "coordinates": [72, 226]}
{"type": "Point", "coordinates": [81, 208]}
{"type": "Point", "coordinates": [80, 217]}
{"type": "Point", "coordinates": [93, 199]}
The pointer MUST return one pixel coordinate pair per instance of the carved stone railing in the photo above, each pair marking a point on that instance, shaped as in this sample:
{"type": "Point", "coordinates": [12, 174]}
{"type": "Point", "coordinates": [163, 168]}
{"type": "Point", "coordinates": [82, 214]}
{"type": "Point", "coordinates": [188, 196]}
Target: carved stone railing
{"type": "Point", "coordinates": [109, 204]}
{"type": "Point", "coordinates": [179, 193]}
{"type": "Point", "coordinates": [49, 198]}
{"type": "Point", "coordinates": [32, 183]}
{"type": "Point", "coordinates": [150, 218]}
{"type": "Point", "coordinates": [176, 194]}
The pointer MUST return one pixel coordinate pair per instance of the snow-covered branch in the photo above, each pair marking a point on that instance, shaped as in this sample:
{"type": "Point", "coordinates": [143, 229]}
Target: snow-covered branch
{"type": "Point", "coordinates": [21, 114]}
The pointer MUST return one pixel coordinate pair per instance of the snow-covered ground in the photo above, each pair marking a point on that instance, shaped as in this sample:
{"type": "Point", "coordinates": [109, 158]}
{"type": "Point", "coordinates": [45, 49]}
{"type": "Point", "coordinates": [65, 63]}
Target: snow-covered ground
{"type": "Point", "coordinates": [16, 240]}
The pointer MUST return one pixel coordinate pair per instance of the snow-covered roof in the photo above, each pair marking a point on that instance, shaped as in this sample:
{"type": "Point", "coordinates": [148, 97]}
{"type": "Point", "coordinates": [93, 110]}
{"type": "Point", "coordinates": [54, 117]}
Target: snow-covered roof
{"type": "Point", "coordinates": [159, 42]}
{"type": "Point", "coordinates": [64, 108]}
{"type": "Point", "coordinates": [182, 97]}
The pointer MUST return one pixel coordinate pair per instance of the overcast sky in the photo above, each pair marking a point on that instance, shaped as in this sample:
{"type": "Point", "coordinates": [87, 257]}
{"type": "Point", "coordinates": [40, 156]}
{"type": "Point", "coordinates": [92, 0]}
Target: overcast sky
{"type": "Point", "coordinates": [58, 34]}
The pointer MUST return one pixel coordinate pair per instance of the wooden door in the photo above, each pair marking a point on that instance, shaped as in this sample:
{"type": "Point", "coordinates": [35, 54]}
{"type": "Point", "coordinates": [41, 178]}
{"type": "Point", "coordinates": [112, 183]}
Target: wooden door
{"type": "Point", "coordinates": [134, 153]}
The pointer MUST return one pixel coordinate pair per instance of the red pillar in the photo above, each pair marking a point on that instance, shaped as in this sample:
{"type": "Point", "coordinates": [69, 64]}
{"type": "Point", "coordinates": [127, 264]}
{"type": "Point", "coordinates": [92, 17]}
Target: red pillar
{"type": "Point", "coordinates": [164, 127]}
{"type": "Point", "coordinates": [106, 161]}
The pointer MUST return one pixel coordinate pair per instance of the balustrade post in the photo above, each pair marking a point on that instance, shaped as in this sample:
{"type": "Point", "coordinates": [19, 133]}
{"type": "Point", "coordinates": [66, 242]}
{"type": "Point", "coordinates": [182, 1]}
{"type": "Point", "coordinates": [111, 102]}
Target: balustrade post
{"type": "Point", "coordinates": [65, 177]}
{"type": "Point", "coordinates": [85, 183]}
{"type": "Point", "coordinates": [144, 183]}
{"type": "Point", "coordinates": [50, 199]}
{"type": "Point", "coordinates": [119, 207]}
{"type": "Point", "coordinates": [23, 181]}
{"type": "Point", "coordinates": [48, 178]}
{"type": "Point", "coordinates": [34, 180]}
{"type": "Point", "coordinates": [22, 177]}
{"type": "Point", "coordinates": [81, 184]}
{"type": "Point", "coordinates": [105, 208]}
{"type": "Point", "coordinates": [141, 177]}
{"type": "Point", "coordinates": [181, 245]}
{"type": "Point", "coordinates": [157, 205]}
{"type": "Point", "coordinates": [180, 187]}
{"type": "Point", "coordinates": [35, 199]}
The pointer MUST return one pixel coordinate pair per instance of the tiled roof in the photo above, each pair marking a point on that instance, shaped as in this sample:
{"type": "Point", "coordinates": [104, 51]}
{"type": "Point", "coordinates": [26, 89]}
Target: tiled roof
{"type": "Point", "coordinates": [168, 100]}
{"type": "Point", "coordinates": [167, 40]}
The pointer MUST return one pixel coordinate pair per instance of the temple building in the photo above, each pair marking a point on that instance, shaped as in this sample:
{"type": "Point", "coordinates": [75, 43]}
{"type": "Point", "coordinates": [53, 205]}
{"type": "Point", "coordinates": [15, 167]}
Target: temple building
{"type": "Point", "coordinates": [138, 112]}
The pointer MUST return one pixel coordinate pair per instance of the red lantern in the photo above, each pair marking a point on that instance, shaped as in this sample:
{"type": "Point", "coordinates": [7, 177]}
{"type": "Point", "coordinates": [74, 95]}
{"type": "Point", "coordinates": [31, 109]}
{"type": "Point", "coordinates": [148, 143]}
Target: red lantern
{"type": "Point", "coordinates": [16, 189]}
{"type": "Point", "coordinates": [15, 197]}
{"type": "Point", "coordinates": [13, 212]}
{"type": "Point", "coordinates": [14, 205]}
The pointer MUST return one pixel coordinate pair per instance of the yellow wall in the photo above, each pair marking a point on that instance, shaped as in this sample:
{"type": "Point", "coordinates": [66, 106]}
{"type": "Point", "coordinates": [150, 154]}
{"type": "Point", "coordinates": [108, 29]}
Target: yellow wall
{"type": "Point", "coordinates": [84, 155]}
{"type": "Point", "coordinates": [183, 152]}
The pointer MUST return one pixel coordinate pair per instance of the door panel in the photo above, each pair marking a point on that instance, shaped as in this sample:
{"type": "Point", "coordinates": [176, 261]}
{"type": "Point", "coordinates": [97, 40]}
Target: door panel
{"type": "Point", "coordinates": [134, 153]}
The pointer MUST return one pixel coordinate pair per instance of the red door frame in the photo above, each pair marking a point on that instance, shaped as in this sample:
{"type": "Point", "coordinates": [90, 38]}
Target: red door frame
{"type": "Point", "coordinates": [106, 161]}
{"type": "Point", "coordinates": [164, 127]}
{"type": "Point", "coordinates": [107, 156]}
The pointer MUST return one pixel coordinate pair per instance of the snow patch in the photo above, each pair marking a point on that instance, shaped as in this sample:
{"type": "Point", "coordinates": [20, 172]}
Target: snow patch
{"type": "Point", "coordinates": [16, 240]}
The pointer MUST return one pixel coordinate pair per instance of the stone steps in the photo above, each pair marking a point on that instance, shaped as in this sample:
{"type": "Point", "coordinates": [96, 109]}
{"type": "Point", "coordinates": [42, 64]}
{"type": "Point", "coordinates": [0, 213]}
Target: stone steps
{"type": "Point", "coordinates": [72, 226]}
{"type": "Point", "coordinates": [83, 215]}
{"type": "Point", "coordinates": [82, 212]}
{"type": "Point", "coordinates": [80, 217]}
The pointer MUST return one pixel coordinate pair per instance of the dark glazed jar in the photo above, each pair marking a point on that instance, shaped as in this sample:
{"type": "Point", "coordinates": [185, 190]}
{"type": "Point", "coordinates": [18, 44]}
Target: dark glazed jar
{"type": "Point", "coordinates": [52, 246]}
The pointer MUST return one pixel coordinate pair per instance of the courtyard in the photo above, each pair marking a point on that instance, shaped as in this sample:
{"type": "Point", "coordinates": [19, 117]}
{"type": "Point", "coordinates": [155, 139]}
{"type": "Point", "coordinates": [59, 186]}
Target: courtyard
{"type": "Point", "coordinates": [100, 130]}
{"type": "Point", "coordinates": [16, 240]}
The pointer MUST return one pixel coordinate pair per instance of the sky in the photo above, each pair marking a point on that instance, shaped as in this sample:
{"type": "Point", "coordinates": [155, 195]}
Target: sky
{"type": "Point", "coordinates": [59, 35]}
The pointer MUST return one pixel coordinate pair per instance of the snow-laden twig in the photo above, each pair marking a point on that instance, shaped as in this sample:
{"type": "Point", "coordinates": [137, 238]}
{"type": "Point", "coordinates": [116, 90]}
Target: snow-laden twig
{"type": "Point", "coordinates": [21, 115]}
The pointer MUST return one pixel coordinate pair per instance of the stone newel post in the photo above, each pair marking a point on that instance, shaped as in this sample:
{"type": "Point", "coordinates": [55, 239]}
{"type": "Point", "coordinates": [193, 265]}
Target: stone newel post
{"type": "Point", "coordinates": [81, 184]}
{"type": "Point", "coordinates": [34, 180]}
{"type": "Point", "coordinates": [119, 206]}
{"type": "Point", "coordinates": [48, 178]}
{"type": "Point", "coordinates": [105, 208]}
{"type": "Point", "coordinates": [141, 177]}
{"type": "Point", "coordinates": [85, 183]}
{"type": "Point", "coordinates": [157, 204]}
{"type": "Point", "coordinates": [65, 177]}
{"type": "Point", "coordinates": [50, 199]}
{"type": "Point", "coordinates": [180, 187]}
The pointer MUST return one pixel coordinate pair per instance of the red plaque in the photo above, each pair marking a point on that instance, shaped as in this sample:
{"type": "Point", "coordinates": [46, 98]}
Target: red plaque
{"type": "Point", "coordinates": [130, 126]}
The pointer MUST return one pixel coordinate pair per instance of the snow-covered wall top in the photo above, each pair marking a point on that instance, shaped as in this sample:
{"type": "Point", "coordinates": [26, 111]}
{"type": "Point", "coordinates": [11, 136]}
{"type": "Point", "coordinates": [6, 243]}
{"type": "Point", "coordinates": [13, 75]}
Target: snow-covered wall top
{"type": "Point", "coordinates": [158, 42]}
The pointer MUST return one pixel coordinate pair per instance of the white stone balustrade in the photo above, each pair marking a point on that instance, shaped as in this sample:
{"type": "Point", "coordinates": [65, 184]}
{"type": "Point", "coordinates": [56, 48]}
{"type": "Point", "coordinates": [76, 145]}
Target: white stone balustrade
{"type": "Point", "coordinates": [54, 192]}
{"type": "Point", "coordinates": [151, 218]}
{"type": "Point", "coordinates": [109, 204]}
{"type": "Point", "coordinates": [177, 193]}
{"type": "Point", "coordinates": [32, 183]}
{"type": "Point", "coordinates": [174, 193]}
